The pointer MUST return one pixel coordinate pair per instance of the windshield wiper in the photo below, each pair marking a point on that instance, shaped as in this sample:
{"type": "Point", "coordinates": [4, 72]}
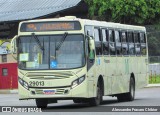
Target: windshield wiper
{"type": "Point", "coordinates": [63, 39]}
{"type": "Point", "coordinates": [37, 41]}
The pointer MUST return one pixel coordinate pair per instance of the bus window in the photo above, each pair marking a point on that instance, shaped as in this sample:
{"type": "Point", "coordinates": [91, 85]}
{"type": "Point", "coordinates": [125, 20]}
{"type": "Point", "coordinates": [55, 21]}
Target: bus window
{"type": "Point", "coordinates": [118, 43]}
{"type": "Point", "coordinates": [137, 44]}
{"type": "Point", "coordinates": [124, 43]}
{"type": "Point", "coordinates": [131, 43]}
{"type": "Point", "coordinates": [143, 43]}
{"type": "Point", "coordinates": [142, 38]}
{"type": "Point", "coordinates": [112, 43]}
{"type": "Point", "coordinates": [90, 30]}
{"type": "Point", "coordinates": [105, 42]}
{"type": "Point", "coordinates": [98, 43]}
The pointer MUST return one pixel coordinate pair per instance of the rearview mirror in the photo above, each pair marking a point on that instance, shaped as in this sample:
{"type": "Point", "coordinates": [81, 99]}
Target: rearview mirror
{"type": "Point", "coordinates": [91, 43]}
{"type": "Point", "coordinates": [91, 48]}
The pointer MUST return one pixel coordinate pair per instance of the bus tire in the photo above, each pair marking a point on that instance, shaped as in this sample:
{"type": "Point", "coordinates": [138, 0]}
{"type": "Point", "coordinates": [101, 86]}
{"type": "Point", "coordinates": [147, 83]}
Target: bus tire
{"type": "Point", "coordinates": [41, 103]}
{"type": "Point", "coordinates": [121, 97]}
{"type": "Point", "coordinates": [98, 99]}
{"type": "Point", "coordinates": [131, 94]}
{"type": "Point", "coordinates": [77, 101]}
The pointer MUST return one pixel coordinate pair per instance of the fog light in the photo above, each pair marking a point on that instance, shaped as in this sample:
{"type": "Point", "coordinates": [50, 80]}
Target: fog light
{"type": "Point", "coordinates": [66, 91]}
{"type": "Point", "coordinates": [33, 92]}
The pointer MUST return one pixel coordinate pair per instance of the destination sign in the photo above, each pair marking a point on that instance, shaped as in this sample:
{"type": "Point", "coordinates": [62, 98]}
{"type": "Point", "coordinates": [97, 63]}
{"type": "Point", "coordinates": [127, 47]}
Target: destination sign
{"type": "Point", "coordinates": [50, 26]}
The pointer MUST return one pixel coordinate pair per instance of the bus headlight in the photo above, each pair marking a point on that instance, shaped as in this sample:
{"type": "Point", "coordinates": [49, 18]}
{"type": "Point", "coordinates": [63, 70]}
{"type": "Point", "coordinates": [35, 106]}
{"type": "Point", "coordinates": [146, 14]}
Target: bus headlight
{"type": "Point", "coordinates": [77, 81]}
{"type": "Point", "coordinates": [23, 83]}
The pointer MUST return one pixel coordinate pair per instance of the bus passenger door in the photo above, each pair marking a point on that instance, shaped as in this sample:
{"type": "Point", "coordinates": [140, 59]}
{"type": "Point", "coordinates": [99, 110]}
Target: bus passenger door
{"type": "Point", "coordinates": [91, 68]}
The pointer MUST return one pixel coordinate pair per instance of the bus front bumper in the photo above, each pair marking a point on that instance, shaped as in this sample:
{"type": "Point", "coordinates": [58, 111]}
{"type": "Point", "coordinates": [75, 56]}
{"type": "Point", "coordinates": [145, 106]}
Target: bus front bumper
{"type": "Point", "coordinates": [79, 91]}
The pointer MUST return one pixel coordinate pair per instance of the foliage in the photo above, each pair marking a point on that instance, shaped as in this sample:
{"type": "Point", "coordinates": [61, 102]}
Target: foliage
{"type": "Point", "coordinates": [153, 35]}
{"type": "Point", "coordinates": [153, 46]}
{"type": "Point", "coordinates": [125, 11]}
{"type": "Point", "coordinates": [154, 79]}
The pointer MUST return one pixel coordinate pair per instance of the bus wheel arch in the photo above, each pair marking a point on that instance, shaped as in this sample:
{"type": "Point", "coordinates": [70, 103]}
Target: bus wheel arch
{"type": "Point", "coordinates": [129, 96]}
{"type": "Point", "coordinates": [100, 79]}
{"type": "Point", "coordinates": [95, 101]}
{"type": "Point", "coordinates": [133, 76]}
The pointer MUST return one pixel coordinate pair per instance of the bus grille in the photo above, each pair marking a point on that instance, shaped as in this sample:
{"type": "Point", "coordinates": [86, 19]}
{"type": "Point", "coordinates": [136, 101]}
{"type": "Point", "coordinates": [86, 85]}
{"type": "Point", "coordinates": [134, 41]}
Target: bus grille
{"type": "Point", "coordinates": [58, 91]}
{"type": "Point", "coordinates": [52, 75]}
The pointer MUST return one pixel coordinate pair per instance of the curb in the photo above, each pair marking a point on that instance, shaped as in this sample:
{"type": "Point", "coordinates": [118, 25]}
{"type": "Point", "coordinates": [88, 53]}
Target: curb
{"type": "Point", "coordinates": [14, 91]}
{"type": "Point", "coordinates": [153, 85]}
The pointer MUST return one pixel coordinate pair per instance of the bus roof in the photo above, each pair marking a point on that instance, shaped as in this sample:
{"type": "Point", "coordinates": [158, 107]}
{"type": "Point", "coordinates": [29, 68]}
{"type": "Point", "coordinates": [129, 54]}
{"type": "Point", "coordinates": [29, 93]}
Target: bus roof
{"type": "Point", "coordinates": [113, 25]}
{"type": "Point", "coordinates": [92, 23]}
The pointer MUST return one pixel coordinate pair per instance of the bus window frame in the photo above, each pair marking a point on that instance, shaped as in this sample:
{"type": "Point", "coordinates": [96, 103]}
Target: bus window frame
{"type": "Point", "coordinates": [145, 42]}
{"type": "Point", "coordinates": [120, 41]}
{"type": "Point", "coordinates": [111, 29]}
{"type": "Point", "coordinates": [126, 42]}
{"type": "Point", "coordinates": [132, 42]}
{"type": "Point", "coordinates": [100, 41]}
{"type": "Point", "coordinates": [106, 41]}
{"type": "Point", "coordinates": [137, 43]}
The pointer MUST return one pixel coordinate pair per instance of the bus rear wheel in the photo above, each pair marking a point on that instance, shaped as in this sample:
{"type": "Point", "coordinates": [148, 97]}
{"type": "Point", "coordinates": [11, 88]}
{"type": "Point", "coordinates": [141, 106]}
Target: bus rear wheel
{"type": "Point", "coordinates": [130, 95]}
{"type": "Point", "coordinates": [77, 100]}
{"type": "Point", "coordinates": [98, 99]}
{"type": "Point", "coordinates": [41, 103]}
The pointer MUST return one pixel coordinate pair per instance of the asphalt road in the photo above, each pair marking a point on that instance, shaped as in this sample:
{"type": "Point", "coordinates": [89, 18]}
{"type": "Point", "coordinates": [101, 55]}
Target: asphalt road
{"type": "Point", "coordinates": [144, 97]}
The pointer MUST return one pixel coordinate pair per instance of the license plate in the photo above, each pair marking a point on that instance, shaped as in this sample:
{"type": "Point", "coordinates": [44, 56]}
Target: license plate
{"type": "Point", "coordinates": [49, 92]}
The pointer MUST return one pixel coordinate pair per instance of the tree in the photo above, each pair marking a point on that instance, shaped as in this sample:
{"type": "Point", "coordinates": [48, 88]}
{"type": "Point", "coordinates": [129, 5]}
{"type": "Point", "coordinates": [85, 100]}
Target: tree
{"type": "Point", "coordinates": [125, 11]}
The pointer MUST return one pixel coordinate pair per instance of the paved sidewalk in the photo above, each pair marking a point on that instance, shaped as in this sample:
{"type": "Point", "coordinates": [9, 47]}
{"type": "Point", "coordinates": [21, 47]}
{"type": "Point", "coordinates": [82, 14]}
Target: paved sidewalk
{"type": "Point", "coordinates": [15, 91]}
{"type": "Point", "coordinates": [8, 91]}
{"type": "Point", "coordinates": [153, 85]}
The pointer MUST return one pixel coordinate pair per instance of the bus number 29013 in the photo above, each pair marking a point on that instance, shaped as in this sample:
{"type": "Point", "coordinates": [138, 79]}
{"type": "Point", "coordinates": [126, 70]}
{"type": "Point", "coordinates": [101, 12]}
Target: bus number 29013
{"type": "Point", "coordinates": [36, 83]}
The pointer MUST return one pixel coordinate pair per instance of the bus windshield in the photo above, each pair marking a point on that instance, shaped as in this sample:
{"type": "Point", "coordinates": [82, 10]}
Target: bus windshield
{"type": "Point", "coordinates": [58, 53]}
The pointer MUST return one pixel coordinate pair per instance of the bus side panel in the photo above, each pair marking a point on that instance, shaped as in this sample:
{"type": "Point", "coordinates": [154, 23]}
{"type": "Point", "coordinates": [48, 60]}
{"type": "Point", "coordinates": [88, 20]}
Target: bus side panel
{"type": "Point", "coordinates": [108, 76]}
{"type": "Point", "coordinates": [92, 78]}
{"type": "Point", "coordinates": [125, 66]}
{"type": "Point", "coordinates": [100, 68]}
{"type": "Point", "coordinates": [90, 88]}
{"type": "Point", "coordinates": [134, 65]}
{"type": "Point", "coordinates": [121, 76]}
{"type": "Point", "coordinates": [113, 70]}
{"type": "Point", "coordinates": [142, 79]}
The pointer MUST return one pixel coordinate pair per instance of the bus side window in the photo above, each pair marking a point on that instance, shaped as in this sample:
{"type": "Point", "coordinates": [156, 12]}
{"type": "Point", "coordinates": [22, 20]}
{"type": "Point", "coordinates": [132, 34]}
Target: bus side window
{"type": "Point", "coordinates": [131, 43]}
{"type": "Point", "coordinates": [124, 43]}
{"type": "Point", "coordinates": [143, 43]}
{"type": "Point", "coordinates": [137, 43]}
{"type": "Point", "coordinates": [91, 31]}
{"type": "Point", "coordinates": [118, 43]}
{"type": "Point", "coordinates": [105, 42]}
{"type": "Point", "coordinates": [112, 43]}
{"type": "Point", "coordinates": [98, 43]}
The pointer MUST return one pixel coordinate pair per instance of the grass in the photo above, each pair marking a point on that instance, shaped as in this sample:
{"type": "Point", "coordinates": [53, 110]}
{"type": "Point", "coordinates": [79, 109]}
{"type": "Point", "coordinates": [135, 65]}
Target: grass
{"type": "Point", "coordinates": [154, 79]}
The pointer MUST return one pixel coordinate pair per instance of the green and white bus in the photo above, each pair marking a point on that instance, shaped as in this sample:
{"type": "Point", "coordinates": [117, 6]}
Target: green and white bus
{"type": "Point", "coordinates": [80, 60]}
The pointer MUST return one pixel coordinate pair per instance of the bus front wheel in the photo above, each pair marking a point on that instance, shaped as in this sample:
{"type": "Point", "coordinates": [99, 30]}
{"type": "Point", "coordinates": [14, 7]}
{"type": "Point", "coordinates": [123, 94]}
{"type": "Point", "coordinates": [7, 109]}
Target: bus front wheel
{"type": "Point", "coordinates": [98, 99]}
{"type": "Point", "coordinates": [41, 103]}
